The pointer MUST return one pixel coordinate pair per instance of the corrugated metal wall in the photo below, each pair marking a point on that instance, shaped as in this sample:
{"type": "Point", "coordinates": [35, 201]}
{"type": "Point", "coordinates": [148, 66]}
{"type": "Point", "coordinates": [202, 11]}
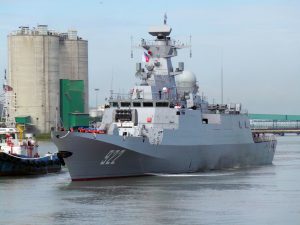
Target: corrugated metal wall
{"type": "Point", "coordinates": [71, 99]}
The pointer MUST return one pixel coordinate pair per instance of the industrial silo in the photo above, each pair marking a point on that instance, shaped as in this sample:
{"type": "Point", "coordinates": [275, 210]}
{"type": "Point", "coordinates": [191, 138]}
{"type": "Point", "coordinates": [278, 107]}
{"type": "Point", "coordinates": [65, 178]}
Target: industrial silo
{"type": "Point", "coordinates": [74, 60]}
{"type": "Point", "coordinates": [33, 66]}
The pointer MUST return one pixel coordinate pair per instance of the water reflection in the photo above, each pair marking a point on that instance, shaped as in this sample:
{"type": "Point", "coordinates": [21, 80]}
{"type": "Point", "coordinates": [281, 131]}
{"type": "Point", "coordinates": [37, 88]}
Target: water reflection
{"type": "Point", "coordinates": [261, 195]}
{"type": "Point", "coordinates": [159, 199]}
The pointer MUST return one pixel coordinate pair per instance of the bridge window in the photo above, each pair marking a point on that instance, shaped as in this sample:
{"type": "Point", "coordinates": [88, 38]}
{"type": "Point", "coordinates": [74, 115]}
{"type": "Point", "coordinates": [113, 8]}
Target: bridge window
{"type": "Point", "coordinates": [162, 104]}
{"type": "Point", "coordinates": [148, 104]}
{"type": "Point", "coordinates": [125, 104]}
{"type": "Point", "coordinates": [136, 104]}
{"type": "Point", "coordinates": [114, 104]}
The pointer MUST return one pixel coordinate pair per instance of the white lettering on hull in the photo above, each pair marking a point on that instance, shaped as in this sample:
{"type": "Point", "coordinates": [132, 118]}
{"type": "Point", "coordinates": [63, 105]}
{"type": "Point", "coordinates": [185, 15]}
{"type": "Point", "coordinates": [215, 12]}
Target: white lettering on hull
{"type": "Point", "coordinates": [111, 157]}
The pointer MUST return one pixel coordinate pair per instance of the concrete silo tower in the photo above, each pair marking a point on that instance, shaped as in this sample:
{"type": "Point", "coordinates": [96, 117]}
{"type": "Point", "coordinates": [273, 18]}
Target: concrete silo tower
{"type": "Point", "coordinates": [74, 60]}
{"type": "Point", "coordinates": [33, 72]}
{"type": "Point", "coordinates": [37, 59]}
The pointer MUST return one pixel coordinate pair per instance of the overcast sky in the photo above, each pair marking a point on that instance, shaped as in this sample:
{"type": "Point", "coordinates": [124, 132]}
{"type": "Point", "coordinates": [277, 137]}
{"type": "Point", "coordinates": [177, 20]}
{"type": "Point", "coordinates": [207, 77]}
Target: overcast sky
{"type": "Point", "coordinates": [260, 41]}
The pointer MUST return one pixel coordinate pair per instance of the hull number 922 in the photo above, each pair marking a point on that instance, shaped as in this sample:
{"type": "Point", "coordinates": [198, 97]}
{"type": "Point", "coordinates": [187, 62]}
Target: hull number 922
{"type": "Point", "coordinates": [112, 156]}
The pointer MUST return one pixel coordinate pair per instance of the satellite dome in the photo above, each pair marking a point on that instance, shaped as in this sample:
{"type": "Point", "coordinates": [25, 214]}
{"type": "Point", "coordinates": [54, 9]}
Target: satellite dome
{"type": "Point", "coordinates": [186, 79]}
{"type": "Point", "coordinates": [186, 82]}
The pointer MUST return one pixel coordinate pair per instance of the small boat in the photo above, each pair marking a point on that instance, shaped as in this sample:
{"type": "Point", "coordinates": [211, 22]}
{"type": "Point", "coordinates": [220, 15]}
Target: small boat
{"type": "Point", "coordinates": [20, 157]}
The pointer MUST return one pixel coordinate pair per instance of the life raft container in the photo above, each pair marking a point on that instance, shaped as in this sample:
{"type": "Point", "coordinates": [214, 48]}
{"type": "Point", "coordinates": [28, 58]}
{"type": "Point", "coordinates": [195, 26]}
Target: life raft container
{"type": "Point", "coordinates": [92, 131]}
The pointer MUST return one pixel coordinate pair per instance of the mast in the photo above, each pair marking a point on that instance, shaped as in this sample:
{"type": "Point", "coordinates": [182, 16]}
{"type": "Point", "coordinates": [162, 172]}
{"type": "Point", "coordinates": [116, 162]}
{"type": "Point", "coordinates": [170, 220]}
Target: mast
{"type": "Point", "coordinates": [8, 120]}
{"type": "Point", "coordinates": [222, 86]}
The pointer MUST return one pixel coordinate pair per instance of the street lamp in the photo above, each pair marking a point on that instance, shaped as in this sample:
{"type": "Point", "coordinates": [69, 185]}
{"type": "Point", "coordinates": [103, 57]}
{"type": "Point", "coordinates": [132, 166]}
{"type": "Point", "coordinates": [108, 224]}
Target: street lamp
{"type": "Point", "coordinates": [96, 91]}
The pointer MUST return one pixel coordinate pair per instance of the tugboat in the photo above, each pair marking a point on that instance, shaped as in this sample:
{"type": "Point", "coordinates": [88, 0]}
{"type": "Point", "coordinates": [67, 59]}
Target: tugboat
{"type": "Point", "coordinates": [21, 157]}
{"type": "Point", "coordinates": [163, 126]}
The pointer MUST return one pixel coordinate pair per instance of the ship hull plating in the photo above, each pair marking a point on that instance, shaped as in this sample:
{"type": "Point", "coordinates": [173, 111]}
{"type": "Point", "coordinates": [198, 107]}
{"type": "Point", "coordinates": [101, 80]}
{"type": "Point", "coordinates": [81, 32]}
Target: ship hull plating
{"type": "Point", "coordinates": [102, 156]}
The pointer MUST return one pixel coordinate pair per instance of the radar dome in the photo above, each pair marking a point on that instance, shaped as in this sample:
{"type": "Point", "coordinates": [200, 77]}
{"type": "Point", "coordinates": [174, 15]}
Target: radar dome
{"type": "Point", "coordinates": [186, 82]}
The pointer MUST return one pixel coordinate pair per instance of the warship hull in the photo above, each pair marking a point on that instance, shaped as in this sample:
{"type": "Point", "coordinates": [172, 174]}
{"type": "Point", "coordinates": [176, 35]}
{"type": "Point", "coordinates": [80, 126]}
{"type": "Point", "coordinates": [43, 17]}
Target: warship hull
{"type": "Point", "coordinates": [90, 156]}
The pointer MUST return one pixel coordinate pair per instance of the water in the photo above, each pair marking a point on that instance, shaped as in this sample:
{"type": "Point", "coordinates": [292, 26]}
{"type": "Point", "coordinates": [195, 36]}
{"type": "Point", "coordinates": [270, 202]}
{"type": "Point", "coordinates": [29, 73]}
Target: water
{"type": "Point", "coordinates": [262, 195]}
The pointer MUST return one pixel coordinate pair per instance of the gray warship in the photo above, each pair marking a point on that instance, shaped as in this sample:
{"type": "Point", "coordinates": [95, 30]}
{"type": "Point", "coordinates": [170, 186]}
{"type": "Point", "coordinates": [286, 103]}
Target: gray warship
{"type": "Point", "coordinates": [163, 126]}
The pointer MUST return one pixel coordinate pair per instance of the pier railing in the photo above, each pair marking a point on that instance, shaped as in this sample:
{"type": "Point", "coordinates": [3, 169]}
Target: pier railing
{"type": "Point", "coordinates": [275, 127]}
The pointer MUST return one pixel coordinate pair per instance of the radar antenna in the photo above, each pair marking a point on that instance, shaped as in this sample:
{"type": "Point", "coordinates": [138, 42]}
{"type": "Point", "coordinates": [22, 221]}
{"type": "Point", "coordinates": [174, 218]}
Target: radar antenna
{"type": "Point", "coordinates": [131, 50]}
{"type": "Point", "coordinates": [190, 46]}
{"type": "Point", "coordinates": [165, 19]}
{"type": "Point", "coordinates": [111, 84]}
{"type": "Point", "coordinates": [222, 85]}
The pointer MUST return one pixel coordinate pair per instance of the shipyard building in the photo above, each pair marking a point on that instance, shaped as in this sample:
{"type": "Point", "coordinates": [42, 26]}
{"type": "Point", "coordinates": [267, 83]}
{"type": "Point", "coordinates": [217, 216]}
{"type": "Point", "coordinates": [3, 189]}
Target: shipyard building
{"type": "Point", "coordinates": [41, 64]}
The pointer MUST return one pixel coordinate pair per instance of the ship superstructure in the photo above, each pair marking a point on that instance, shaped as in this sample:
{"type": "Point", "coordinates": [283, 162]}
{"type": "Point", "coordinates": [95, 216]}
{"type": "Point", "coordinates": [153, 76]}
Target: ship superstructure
{"type": "Point", "coordinates": [163, 126]}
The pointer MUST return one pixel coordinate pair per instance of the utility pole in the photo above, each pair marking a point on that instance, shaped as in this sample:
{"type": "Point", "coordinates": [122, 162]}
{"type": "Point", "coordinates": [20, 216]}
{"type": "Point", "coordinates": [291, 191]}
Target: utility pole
{"type": "Point", "coordinates": [96, 91]}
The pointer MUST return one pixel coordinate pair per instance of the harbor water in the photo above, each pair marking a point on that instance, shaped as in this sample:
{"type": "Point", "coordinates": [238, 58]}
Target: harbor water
{"type": "Point", "coordinates": [260, 195]}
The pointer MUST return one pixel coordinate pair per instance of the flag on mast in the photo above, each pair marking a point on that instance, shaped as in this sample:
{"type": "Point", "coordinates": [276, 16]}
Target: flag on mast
{"type": "Point", "coordinates": [145, 57]}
